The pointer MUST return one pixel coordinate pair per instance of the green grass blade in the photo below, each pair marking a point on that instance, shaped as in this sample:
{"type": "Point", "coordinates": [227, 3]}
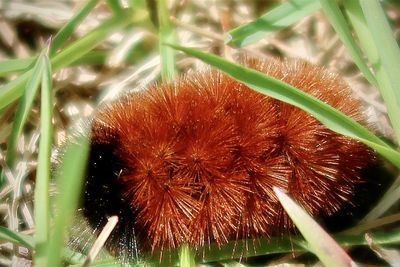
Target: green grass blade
{"type": "Point", "coordinates": [330, 117]}
{"type": "Point", "coordinates": [12, 90]}
{"type": "Point", "coordinates": [339, 23]}
{"type": "Point", "coordinates": [66, 31]}
{"type": "Point", "coordinates": [91, 40]}
{"type": "Point", "coordinates": [372, 45]}
{"type": "Point", "coordinates": [388, 200]}
{"type": "Point", "coordinates": [166, 35]}
{"type": "Point", "coordinates": [356, 18]}
{"type": "Point", "coordinates": [258, 247]}
{"type": "Point", "coordinates": [387, 64]}
{"type": "Point", "coordinates": [319, 242]}
{"type": "Point", "coordinates": [14, 65]}
{"type": "Point", "coordinates": [268, 246]}
{"type": "Point", "coordinates": [390, 154]}
{"type": "Point", "coordinates": [73, 257]}
{"type": "Point", "coordinates": [274, 20]}
{"type": "Point", "coordinates": [115, 7]}
{"type": "Point", "coordinates": [24, 108]}
{"type": "Point", "coordinates": [92, 58]}
{"type": "Point", "coordinates": [16, 238]}
{"type": "Point", "coordinates": [69, 180]}
{"type": "Point", "coordinates": [41, 211]}
{"type": "Point", "coordinates": [390, 97]}
{"type": "Point", "coordinates": [186, 257]}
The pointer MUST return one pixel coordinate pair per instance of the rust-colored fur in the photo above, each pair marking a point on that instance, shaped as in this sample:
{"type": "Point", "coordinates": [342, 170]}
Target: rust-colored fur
{"type": "Point", "coordinates": [200, 157]}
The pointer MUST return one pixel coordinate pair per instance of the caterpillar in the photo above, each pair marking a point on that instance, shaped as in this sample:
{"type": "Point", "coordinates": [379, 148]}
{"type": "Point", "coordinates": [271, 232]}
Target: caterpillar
{"type": "Point", "coordinates": [194, 161]}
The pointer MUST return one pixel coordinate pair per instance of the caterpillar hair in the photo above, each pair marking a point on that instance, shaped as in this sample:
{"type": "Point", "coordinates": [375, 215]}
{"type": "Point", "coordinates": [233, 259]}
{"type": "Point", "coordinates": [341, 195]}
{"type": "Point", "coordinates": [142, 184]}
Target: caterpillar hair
{"type": "Point", "coordinates": [194, 161]}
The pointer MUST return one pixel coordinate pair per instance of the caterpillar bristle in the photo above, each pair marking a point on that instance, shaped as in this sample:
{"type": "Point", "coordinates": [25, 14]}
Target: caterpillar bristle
{"type": "Point", "coordinates": [195, 161]}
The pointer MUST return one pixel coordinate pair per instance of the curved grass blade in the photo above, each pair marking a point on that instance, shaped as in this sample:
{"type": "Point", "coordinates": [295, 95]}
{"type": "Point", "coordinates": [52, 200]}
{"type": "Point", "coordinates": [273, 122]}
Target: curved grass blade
{"type": "Point", "coordinates": [338, 22]}
{"type": "Point", "coordinates": [330, 117]}
{"type": "Point", "coordinates": [12, 90]}
{"type": "Point", "coordinates": [370, 47]}
{"type": "Point", "coordinates": [387, 64]}
{"type": "Point", "coordinates": [319, 241]}
{"type": "Point", "coordinates": [16, 238]}
{"type": "Point", "coordinates": [373, 37]}
{"type": "Point", "coordinates": [278, 18]}
{"type": "Point", "coordinates": [387, 152]}
{"type": "Point", "coordinates": [41, 211]}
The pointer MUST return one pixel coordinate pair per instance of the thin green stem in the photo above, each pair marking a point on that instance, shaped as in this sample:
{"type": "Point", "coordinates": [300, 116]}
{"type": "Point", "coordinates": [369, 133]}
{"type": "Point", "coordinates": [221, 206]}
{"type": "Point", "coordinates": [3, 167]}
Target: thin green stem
{"type": "Point", "coordinates": [42, 206]}
{"type": "Point", "coordinates": [384, 54]}
{"type": "Point", "coordinates": [66, 31]}
{"type": "Point", "coordinates": [166, 35]}
{"type": "Point", "coordinates": [23, 110]}
{"type": "Point", "coordinates": [338, 22]}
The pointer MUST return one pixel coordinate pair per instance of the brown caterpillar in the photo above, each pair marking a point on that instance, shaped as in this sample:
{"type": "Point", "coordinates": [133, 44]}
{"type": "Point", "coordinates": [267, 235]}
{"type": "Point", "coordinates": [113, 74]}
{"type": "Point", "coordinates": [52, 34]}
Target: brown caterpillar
{"type": "Point", "coordinates": [195, 161]}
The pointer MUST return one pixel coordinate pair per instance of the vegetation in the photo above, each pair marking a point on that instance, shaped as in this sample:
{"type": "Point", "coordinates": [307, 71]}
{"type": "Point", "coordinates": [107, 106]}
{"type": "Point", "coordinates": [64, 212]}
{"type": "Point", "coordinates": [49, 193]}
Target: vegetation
{"type": "Point", "coordinates": [58, 67]}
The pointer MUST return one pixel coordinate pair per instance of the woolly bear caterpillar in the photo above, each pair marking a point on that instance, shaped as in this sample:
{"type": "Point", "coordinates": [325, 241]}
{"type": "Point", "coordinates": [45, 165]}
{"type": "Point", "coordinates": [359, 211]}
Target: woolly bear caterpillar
{"type": "Point", "coordinates": [195, 161]}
